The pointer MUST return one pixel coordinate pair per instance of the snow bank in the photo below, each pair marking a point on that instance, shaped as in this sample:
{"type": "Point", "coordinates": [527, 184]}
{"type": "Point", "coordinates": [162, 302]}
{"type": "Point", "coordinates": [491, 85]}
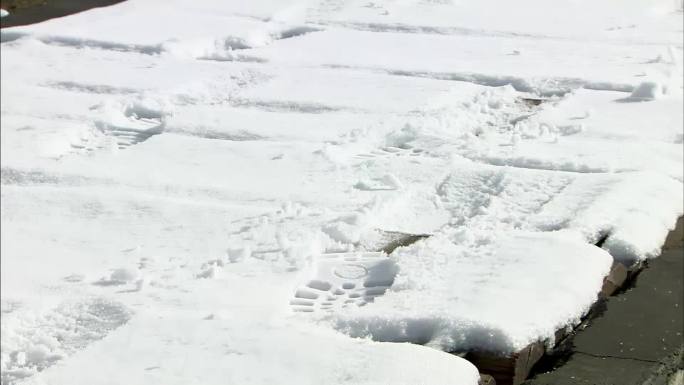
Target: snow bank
{"type": "Point", "coordinates": [495, 292]}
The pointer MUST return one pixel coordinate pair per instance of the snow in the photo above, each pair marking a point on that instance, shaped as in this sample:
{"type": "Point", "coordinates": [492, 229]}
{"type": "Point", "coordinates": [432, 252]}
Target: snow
{"type": "Point", "coordinates": [442, 306]}
{"type": "Point", "coordinates": [209, 203]}
{"type": "Point", "coordinates": [646, 91]}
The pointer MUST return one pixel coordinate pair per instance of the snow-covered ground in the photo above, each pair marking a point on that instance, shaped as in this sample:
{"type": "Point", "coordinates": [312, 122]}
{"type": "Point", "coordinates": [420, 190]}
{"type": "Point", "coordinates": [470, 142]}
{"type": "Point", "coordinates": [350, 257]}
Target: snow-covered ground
{"type": "Point", "coordinates": [196, 192]}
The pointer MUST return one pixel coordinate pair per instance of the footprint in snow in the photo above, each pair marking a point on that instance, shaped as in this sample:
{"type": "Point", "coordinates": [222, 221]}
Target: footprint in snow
{"type": "Point", "coordinates": [135, 124]}
{"type": "Point", "coordinates": [344, 279]}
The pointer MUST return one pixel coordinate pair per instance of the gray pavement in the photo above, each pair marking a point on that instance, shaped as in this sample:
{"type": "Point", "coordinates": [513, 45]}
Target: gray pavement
{"type": "Point", "coordinates": [23, 12]}
{"type": "Point", "coordinates": [638, 335]}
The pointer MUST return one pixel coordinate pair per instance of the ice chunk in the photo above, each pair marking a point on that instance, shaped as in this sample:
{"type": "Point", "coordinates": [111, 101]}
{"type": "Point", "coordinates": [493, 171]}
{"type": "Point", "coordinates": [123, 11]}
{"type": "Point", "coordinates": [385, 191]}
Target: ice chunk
{"type": "Point", "coordinates": [646, 91]}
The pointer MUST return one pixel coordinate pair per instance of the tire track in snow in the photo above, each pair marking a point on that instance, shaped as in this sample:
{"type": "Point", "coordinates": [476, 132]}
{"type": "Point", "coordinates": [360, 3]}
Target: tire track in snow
{"type": "Point", "coordinates": [547, 87]}
{"type": "Point", "coordinates": [223, 47]}
{"type": "Point", "coordinates": [428, 30]}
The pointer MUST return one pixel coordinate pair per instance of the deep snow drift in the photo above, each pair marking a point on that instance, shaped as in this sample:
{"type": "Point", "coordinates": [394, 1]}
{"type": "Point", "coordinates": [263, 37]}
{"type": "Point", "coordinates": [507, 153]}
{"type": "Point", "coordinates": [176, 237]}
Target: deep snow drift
{"type": "Point", "coordinates": [198, 192]}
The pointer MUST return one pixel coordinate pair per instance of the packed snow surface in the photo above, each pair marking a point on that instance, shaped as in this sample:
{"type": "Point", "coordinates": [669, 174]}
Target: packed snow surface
{"type": "Point", "coordinates": [200, 192]}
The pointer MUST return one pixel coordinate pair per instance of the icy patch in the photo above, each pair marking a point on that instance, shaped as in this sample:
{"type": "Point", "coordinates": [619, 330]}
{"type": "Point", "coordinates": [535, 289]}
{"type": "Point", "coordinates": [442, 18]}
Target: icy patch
{"type": "Point", "coordinates": [31, 343]}
{"type": "Point", "coordinates": [345, 279]}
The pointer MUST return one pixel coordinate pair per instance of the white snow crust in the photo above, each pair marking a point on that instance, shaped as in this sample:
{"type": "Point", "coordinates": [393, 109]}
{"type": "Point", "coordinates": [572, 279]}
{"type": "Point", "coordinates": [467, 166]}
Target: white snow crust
{"type": "Point", "coordinates": [199, 192]}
